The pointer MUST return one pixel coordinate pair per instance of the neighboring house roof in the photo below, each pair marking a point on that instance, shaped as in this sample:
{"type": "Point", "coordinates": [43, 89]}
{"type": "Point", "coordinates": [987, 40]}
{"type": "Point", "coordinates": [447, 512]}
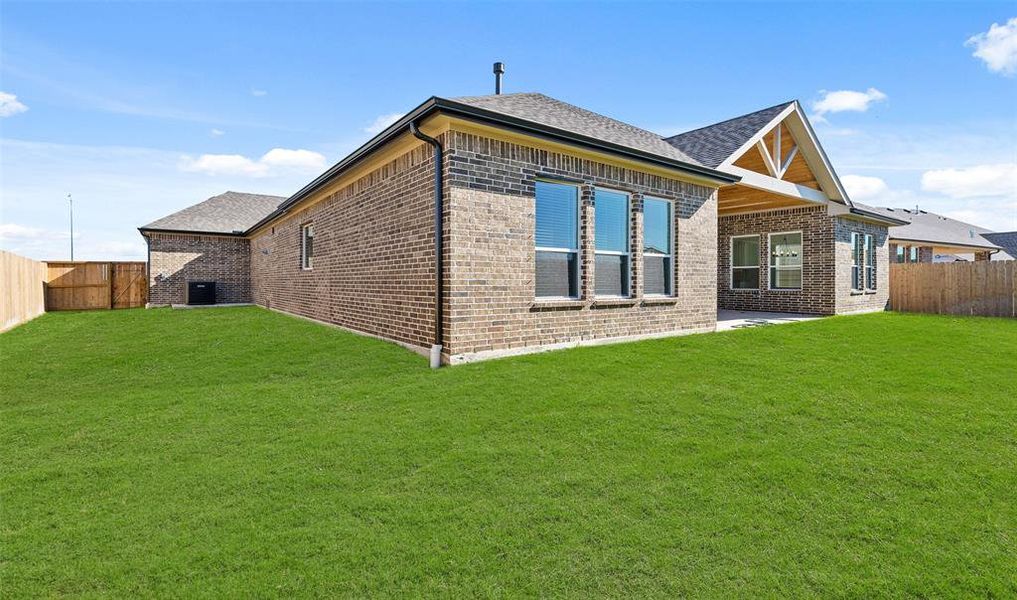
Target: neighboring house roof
{"type": "Point", "coordinates": [713, 144]}
{"type": "Point", "coordinates": [936, 230]}
{"type": "Point", "coordinates": [1007, 240]}
{"type": "Point", "coordinates": [545, 110]}
{"type": "Point", "coordinates": [230, 213]}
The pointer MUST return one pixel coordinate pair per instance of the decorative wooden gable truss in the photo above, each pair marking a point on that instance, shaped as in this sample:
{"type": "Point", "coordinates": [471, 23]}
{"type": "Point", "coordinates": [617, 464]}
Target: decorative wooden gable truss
{"type": "Point", "coordinates": [781, 166]}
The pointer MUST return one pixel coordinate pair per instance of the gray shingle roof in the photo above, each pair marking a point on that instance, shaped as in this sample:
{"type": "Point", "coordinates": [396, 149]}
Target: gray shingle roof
{"type": "Point", "coordinates": [229, 212]}
{"type": "Point", "coordinates": [545, 110]}
{"type": "Point", "coordinates": [713, 144]}
{"type": "Point", "coordinates": [925, 226]}
{"type": "Point", "coordinates": [1007, 240]}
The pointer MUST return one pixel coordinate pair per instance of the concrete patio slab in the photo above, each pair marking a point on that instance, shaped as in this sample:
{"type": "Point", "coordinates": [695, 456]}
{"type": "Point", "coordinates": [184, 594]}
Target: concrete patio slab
{"type": "Point", "coordinates": [741, 319]}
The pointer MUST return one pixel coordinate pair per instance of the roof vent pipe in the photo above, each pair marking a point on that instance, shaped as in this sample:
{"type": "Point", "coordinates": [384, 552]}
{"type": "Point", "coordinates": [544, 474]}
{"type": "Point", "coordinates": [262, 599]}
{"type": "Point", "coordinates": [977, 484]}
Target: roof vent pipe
{"type": "Point", "coordinates": [499, 70]}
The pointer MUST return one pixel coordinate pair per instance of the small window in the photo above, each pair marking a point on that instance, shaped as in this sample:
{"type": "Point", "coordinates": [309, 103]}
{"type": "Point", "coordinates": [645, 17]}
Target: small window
{"type": "Point", "coordinates": [611, 234]}
{"type": "Point", "coordinates": [786, 261]}
{"type": "Point", "coordinates": [745, 262]}
{"type": "Point", "coordinates": [856, 262]}
{"type": "Point", "coordinates": [557, 240]}
{"type": "Point", "coordinates": [900, 254]}
{"type": "Point", "coordinates": [307, 246]}
{"type": "Point", "coordinates": [658, 247]}
{"type": "Point", "coordinates": [913, 252]}
{"type": "Point", "coordinates": [870, 262]}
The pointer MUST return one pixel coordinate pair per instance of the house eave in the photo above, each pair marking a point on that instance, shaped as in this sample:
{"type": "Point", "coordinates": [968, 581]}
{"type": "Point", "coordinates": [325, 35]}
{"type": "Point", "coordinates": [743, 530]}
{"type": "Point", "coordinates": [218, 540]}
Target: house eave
{"type": "Point", "coordinates": [436, 105]}
{"type": "Point", "coordinates": [944, 244]}
{"type": "Point", "coordinates": [891, 221]}
{"type": "Point", "coordinates": [144, 230]}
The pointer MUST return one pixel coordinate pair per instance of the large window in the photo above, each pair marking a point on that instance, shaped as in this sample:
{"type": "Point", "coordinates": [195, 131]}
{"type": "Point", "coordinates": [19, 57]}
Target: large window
{"type": "Point", "coordinates": [786, 261]}
{"type": "Point", "coordinates": [307, 246]}
{"type": "Point", "coordinates": [856, 261]}
{"type": "Point", "coordinates": [745, 262]}
{"type": "Point", "coordinates": [870, 262]}
{"type": "Point", "coordinates": [557, 240]}
{"type": "Point", "coordinates": [611, 216]}
{"type": "Point", "coordinates": [658, 248]}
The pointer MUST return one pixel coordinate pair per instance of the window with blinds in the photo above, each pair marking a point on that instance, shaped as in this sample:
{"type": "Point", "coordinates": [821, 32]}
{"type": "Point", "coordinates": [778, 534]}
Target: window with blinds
{"type": "Point", "coordinates": [658, 247]}
{"type": "Point", "coordinates": [557, 240]}
{"type": "Point", "coordinates": [611, 234]}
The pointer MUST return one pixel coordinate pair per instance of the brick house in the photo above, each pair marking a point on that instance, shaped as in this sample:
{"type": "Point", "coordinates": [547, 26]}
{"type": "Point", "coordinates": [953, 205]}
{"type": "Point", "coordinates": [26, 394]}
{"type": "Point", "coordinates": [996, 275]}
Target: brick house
{"type": "Point", "coordinates": [557, 227]}
{"type": "Point", "coordinates": [927, 237]}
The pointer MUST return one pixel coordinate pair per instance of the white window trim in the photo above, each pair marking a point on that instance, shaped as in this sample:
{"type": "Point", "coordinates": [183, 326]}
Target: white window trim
{"type": "Point", "coordinates": [577, 250]}
{"type": "Point", "coordinates": [670, 244]}
{"type": "Point", "coordinates": [770, 266]}
{"type": "Point", "coordinates": [732, 267]}
{"type": "Point", "coordinates": [306, 262]}
{"type": "Point", "coordinates": [628, 240]}
{"type": "Point", "coordinates": [870, 243]}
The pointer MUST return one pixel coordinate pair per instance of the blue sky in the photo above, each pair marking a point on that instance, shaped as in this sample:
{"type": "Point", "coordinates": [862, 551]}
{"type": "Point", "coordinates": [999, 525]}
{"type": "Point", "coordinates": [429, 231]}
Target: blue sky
{"type": "Point", "coordinates": [139, 110]}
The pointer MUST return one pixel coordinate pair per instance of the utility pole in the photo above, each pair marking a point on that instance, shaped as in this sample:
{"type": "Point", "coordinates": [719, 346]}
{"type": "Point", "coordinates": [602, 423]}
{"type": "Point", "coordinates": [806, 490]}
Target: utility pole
{"type": "Point", "coordinates": [70, 202]}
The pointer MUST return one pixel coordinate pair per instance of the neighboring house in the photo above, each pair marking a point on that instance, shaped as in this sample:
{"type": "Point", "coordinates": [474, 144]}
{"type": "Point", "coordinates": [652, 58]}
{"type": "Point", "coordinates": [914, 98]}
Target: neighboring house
{"type": "Point", "coordinates": [559, 227]}
{"type": "Point", "coordinates": [1007, 240]}
{"type": "Point", "coordinates": [928, 237]}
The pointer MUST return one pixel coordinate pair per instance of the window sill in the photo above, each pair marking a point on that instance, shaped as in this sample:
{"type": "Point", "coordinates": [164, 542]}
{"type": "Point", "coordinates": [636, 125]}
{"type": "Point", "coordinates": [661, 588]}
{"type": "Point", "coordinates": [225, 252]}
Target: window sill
{"type": "Point", "coordinates": [785, 290]}
{"type": "Point", "coordinates": [651, 300]}
{"type": "Point", "coordinates": [557, 304]}
{"type": "Point", "coordinates": [608, 302]}
{"type": "Point", "coordinates": [857, 293]}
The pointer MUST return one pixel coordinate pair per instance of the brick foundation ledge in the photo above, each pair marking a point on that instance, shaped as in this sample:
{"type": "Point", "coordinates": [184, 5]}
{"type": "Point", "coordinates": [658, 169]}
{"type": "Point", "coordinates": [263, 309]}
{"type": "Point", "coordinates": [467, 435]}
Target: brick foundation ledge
{"type": "Point", "coordinates": [471, 357]}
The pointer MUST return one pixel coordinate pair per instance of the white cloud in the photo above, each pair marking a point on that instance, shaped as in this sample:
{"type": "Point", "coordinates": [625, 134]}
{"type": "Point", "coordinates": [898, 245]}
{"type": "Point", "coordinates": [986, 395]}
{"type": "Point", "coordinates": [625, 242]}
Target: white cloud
{"type": "Point", "coordinates": [862, 188]}
{"type": "Point", "coordinates": [216, 132]}
{"type": "Point", "coordinates": [846, 100]}
{"type": "Point", "coordinates": [272, 163]}
{"type": "Point", "coordinates": [12, 232]}
{"type": "Point", "coordinates": [973, 182]}
{"type": "Point", "coordinates": [259, 93]}
{"type": "Point", "coordinates": [381, 123]}
{"type": "Point", "coordinates": [294, 159]}
{"type": "Point", "coordinates": [997, 47]}
{"type": "Point", "coordinates": [222, 164]}
{"type": "Point", "coordinates": [9, 105]}
{"type": "Point", "coordinates": [116, 189]}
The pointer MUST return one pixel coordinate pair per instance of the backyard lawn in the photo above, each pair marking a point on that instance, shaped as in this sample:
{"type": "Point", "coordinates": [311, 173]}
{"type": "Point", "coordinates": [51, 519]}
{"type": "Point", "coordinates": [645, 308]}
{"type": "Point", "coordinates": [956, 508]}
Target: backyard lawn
{"type": "Point", "coordinates": [238, 452]}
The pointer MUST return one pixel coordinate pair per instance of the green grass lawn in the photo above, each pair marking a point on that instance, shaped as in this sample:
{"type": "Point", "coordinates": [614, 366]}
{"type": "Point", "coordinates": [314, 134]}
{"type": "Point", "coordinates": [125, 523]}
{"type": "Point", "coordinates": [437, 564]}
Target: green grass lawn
{"type": "Point", "coordinates": [238, 452]}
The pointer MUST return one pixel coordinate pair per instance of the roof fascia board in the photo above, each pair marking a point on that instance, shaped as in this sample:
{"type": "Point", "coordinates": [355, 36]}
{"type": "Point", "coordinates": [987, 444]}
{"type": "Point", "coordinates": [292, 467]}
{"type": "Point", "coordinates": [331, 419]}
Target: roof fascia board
{"type": "Point", "coordinates": [827, 165]}
{"type": "Point", "coordinates": [942, 244]}
{"type": "Point", "coordinates": [144, 230]}
{"type": "Point", "coordinates": [860, 214]}
{"type": "Point", "coordinates": [778, 186]}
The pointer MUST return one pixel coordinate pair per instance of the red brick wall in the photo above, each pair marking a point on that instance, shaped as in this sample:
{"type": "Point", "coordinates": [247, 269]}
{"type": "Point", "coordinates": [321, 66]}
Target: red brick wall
{"type": "Point", "coordinates": [176, 259]}
{"type": "Point", "coordinates": [848, 300]}
{"type": "Point", "coordinates": [491, 259]}
{"type": "Point", "coordinates": [817, 293]}
{"type": "Point", "coordinates": [373, 255]}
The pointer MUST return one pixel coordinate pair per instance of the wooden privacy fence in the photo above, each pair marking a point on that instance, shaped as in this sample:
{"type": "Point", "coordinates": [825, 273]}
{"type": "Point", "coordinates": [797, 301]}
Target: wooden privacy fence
{"type": "Point", "coordinates": [22, 296]}
{"type": "Point", "coordinates": [95, 285]}
{"type": "Point", "coordinates": [984, 288]}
